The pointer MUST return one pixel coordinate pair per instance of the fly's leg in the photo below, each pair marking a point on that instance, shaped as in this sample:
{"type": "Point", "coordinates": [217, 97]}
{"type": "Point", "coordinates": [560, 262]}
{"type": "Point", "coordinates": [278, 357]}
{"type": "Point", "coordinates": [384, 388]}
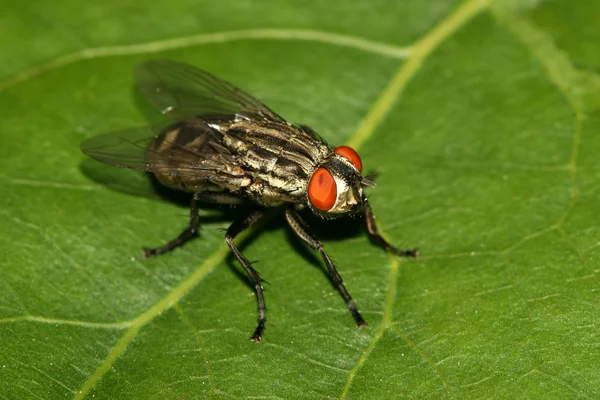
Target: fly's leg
{"type": "Point", "coordinates": [302, 230]}
{"type": "Point", "coordinates": [378, 239]}
{"type": "Point", "coordinates": [235, 229]}
{"type": "Point", "coordinates": [183, 237]}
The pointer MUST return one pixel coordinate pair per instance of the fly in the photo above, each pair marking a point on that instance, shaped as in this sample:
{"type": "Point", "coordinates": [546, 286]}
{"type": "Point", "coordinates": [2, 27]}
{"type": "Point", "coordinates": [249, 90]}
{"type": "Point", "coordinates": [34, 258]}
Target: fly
{"type": "Point", "coordinates": [224, 146]}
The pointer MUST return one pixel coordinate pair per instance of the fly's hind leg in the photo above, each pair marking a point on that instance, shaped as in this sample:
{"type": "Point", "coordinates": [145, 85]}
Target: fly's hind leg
{"type": "Point", "coordinates": [192, 229]}
{"type": "Point", "coordinates": [235, 229]}
{"type": "Point", "coordinates": [184, 236]}
{"type": "Point", "coordinates": [302, 230]}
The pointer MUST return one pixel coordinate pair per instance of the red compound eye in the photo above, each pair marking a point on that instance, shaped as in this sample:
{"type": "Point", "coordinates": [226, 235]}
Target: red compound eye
{"type": "Point", "coordinates": [322, 190]}
{"type": "Point", "coordinates": [351, 155]}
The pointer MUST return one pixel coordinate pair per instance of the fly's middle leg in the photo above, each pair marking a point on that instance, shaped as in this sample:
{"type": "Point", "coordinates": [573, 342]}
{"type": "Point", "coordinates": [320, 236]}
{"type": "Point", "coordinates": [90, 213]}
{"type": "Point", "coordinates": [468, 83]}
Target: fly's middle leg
{"type": "Point", "coordinates": [302, 230]}
{"type": "Point", "coordinates": [184, 236]}
{"type": "Point", "coordinates": [235, 229]}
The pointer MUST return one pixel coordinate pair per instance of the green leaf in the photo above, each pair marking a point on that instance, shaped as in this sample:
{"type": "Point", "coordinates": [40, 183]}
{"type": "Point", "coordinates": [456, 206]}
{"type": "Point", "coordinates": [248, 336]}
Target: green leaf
{"type": "Point", "coordinates": [483, 118]}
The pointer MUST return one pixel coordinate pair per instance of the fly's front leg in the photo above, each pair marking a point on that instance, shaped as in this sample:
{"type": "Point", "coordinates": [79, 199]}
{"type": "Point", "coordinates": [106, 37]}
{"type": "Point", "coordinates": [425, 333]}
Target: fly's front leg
{"type": "Point", "coordinates": [235, 229]}
{"type": "Point", "coordinates": [302, 230]}
{"type": "Point", "coordinates": [378, 239]}
{"type": "Point", "coordinates": [184, 236]}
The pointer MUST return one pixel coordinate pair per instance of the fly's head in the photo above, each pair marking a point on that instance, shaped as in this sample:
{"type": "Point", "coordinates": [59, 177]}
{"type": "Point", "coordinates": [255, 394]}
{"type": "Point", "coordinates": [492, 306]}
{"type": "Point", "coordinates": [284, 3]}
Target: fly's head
{"type": "Point", "coordinates": [335, 188]}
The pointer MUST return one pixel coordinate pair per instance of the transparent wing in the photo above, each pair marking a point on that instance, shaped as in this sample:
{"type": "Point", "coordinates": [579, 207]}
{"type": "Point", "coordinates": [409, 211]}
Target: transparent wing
{"type": "Point", "coordinates": [186, 149]}
{"type": "Point", "coordinates": [181, 91]}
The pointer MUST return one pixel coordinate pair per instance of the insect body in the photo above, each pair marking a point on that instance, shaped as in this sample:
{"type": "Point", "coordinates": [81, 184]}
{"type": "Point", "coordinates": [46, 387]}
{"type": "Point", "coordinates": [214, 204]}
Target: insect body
{"type": "Point", "coordinates": [226, 147]}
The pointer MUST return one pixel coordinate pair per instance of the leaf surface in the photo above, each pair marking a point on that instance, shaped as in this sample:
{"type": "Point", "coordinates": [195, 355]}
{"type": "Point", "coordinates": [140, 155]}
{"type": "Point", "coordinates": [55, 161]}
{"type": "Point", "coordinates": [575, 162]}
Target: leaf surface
{"type": "Point", "coordinates": [482, 118]}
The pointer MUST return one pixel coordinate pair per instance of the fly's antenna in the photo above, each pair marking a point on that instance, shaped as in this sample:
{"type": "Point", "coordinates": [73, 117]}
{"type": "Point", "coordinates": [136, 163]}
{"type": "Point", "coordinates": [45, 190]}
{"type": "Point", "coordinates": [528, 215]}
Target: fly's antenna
{"type": "Point", "coordinates": [367, 182]}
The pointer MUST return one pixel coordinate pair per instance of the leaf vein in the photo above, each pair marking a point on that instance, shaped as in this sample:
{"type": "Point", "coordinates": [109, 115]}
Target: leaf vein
{"type": "Point", "coordinates": [58, 321]}
{"type": "Point", "coordinates": [209, 372]}
{"type": "Point", "coordinates": [336, 39]}
{"type": "Point", "coordinates": [425, 357]}
{"type": "Point", "coordinates": [376, 115]}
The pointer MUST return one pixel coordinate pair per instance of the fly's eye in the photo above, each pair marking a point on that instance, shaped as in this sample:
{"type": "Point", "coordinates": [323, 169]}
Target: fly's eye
{"type": "Point", "coordinates": [350, 154]}
{"type": "Point", "coordinates": [322, 190]}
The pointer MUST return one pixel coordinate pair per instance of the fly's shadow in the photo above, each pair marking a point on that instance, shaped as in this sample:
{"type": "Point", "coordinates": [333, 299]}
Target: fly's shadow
{"type": "Point", "coordinates": [144, 184]}
{"type": "Point", "coordinates": [328, 230]}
